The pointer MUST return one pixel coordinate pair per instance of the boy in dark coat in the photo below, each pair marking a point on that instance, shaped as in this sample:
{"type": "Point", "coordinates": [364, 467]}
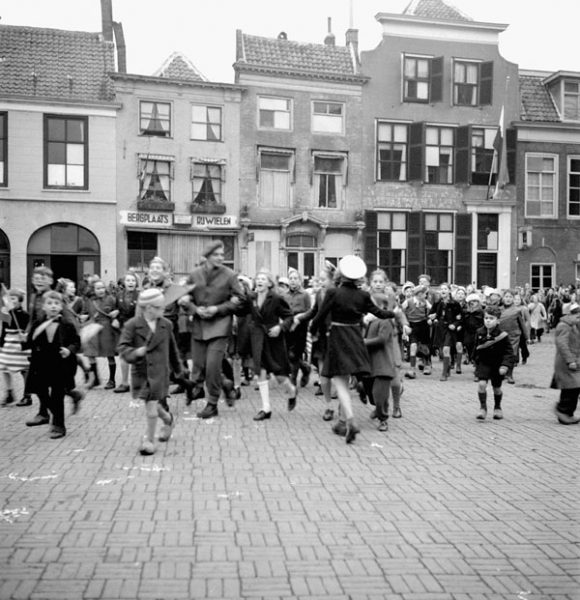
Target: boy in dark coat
{"type": "Point", "coordinates": [54, 344]}
{"type": "Point", "coordinates": [148, 344]}
{"type": "Point", "coordinates": [493, 356]}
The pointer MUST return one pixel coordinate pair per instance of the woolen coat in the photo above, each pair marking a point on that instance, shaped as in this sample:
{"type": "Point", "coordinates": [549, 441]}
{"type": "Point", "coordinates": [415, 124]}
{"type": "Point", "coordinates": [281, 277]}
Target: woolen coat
{"type": "Point", "coordinates": [105, 342]}
{"type": "Point", "coordinates": [567, 351]}
{"type": "Point", "coordinates": [268, 352]}
{"type": "Point", "coordinates": [383, 348]}
{"type": "Point", "coordinates": [214, 287]}
{"type": "Point", "coordinates": [150, 373]}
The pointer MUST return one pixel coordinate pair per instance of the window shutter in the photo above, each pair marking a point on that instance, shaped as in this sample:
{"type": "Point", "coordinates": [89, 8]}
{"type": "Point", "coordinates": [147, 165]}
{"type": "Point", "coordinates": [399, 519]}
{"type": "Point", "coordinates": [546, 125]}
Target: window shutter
{"type": "Point", "coordinates": [463, 249]}
{"type": "Point", "coordinates": [415, 246]}
{"type": "Point", "coordinates": [486, 83]}
{"type": "Point", "coordinates": [371, 223]}
{"type": "Point", "coordinates": [436, 83]}
{"type": "Point", "coordinates": [511, 141]}
{"type": "Point", "coordinates": [463, 154]}
{"type": "Point", "coordinates": [417, 152]}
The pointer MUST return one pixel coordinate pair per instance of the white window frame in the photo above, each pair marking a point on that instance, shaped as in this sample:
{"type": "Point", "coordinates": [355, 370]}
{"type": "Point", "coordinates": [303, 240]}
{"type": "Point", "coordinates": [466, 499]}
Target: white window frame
{"type": "Point", "coordinates": [569, 160]}
{"type": "Point", "coordinates": [142, 131]}
{"type": "Point", "coordinates": [453, 147]}
{"type": "Point", "coordinates": [554, 278]}
{"type": "Point", "coordinates": [429, 58]}
{"type": "Point", "coordinates": [289, 111]}
{"type": "Point", "coordinates": [206, 138]}
{"type": "Point", "coordinates": [291, 174]}
{"type": "Point", "coordinates": [577, 95]}
{"type": "Point", "coordinates": [143, 172]}
{"type": "Point", "coordinates": [555, 194]}
{"type": "Point", "coordinates": [379, 145]}
{"type": "Point", "coordinates": [454, 83]}
{"type": "Point", "coordinates": [328, 116]}
{"type": "Point", "coordinates": [216, 163]}
{"type": "Point", "coordinates": [340, 184]}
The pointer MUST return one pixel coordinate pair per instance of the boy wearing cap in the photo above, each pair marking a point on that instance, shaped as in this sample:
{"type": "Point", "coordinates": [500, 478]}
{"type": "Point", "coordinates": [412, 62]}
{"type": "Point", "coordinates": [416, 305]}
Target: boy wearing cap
{"type": "Point", "coordinates": [147, 343]}
{"type": "Point", "coordinates": [472, 321]}
{"type": "Point", "coordinates": [417, 309]}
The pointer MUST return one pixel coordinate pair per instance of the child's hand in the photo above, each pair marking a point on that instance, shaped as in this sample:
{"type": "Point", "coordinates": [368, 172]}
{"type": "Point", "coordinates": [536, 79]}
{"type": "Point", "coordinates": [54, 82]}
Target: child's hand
{"type": "Point", "coordinates": [573, 366]}
{"type": "Point", "coordinates": [64, 352]}
{"type": "Point", "coordinates": [274, 331]}
{"type": "Point", "coordinates": [141, 351]}
{"type": "Point", "coordinates": [503, 371]}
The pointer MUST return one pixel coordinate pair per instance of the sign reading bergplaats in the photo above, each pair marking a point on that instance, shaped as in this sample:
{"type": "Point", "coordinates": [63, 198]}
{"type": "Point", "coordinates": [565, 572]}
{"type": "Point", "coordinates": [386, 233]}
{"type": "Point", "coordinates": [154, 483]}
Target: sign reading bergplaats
{"type": "Point", "coordinates": [167, 220]}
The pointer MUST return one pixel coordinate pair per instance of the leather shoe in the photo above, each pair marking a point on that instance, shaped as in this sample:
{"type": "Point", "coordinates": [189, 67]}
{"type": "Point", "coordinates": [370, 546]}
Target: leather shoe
{"type": "Point", "coordinates": [37, 420]}
{"type": "Point", "coordinates": [328, 415]}
{"type": "Point", "coordinates": [291, 403]}
{"type": "Point", "coordinates": [109, 385]}
{"type": "Point", "coordinates": [565, 419]}
{"type": "Point", "coordinates": [208, 412]}
{"type": "Point", "coordinates": [262, 415]}
{"type": "Point", "coordinates": [24, 401]}
{"type": "Point", "coordinates": [121, 389]}
{"type": "Point", "coordinates": [57, 432]}
{"type": "Point", "coordinates": [397, 414]}
{"type": "Point", "coordinates": [339, 428]}
{"type": "Point", "coordinates": [351, 431]}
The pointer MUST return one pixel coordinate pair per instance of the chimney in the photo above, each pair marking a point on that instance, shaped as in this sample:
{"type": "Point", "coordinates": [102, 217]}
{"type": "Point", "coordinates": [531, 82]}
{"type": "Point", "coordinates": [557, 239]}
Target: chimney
{"type": "Point", "coordinates": [107, 19]}
{"type": "Point", "coordinates": [121, 47]}
{"type": "Point", "coordinates": [329, 40]}
{"type": "Point", "coordinates": [352, 43]}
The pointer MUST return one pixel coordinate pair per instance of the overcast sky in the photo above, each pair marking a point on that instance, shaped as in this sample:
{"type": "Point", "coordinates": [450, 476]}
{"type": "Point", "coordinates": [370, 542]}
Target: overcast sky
{"type": "Point", "coordinates": [542, 34]}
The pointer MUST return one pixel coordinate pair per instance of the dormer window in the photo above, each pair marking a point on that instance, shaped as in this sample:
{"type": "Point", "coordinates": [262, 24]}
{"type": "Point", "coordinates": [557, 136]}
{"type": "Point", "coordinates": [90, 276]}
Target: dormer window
{"type": "Point", "coordinates": [572, 100]}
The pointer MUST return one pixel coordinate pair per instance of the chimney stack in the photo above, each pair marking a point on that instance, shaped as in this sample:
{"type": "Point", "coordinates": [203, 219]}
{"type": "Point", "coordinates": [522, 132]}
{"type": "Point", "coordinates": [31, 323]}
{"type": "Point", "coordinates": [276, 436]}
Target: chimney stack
{"type": "Point", "coordinates": [107, 19]}
{"type": "Point", "coordinates": [121, 47]}
{"type": "Point", "coordinates": [329, 40]}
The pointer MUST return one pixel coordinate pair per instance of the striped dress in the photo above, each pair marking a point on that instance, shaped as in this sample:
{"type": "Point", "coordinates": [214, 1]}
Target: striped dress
{"type": "Point", "coordinates": [12, 357]}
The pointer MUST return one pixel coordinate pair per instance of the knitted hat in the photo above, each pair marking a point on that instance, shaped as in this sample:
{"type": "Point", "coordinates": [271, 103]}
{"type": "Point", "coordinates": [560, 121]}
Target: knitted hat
{"type": "Point", "coordinates": [212, 247]}
{"type": "Point", "coordinates": [151, 297]}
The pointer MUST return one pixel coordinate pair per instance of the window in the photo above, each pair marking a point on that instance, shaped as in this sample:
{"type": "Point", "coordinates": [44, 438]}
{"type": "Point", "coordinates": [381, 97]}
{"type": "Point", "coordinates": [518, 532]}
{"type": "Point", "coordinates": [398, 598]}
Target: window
{"type": "Point", "coordinates": [572, 100]}
{"type": "Point", "coordinates": [422, 78]}
{"type": "Point", "coordinates": [155, 177]}
{"type": "Point", "coordinates": [438, 154]}
{"type": "Point", "coordinates": [207, 183]}
{"type": "Point", "coordinates": [542, 276]}
{"type": "Point", "coordinates": [66, 152]}
{"type": "Point", "coordinates": [438, 246]}
{"type": "Point", "coordinates": [155, 118]}
{"type": "Point", "coordinates": [275, 176]}
{"type": "Point", "coordinates": [3, 149]}
{"type": "Point", "coordinates": [328, 117]}
{"type": "Point", "coordinates": [483, 166]}
{"type": "Point", "coordinates": [206, 123]}
{"type": "Point", "coordinates": [274, 113]}
{"type": "Point", "coordinates": [541, 185]}
{"type": "Point", "coordinates": [472, 83]}
{"type": "Point", "coordinates": [392, 244]}
{"type": "Point", "coordinates": [487, 231]}
{"type": "Point", "coordinates": [392, 151]}
{"type": "Point", "coordinates": [141, 248]}
{"type": "Point", "coordinates": [574, 186]}
{"type": "Point", "coordinates": [329, 179]}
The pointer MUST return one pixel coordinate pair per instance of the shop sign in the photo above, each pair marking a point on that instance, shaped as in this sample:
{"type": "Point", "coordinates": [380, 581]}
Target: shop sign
{"type": "Point", "coordinates": [215, 221]}
{"type": "Point", "coordinates": [146, 219]}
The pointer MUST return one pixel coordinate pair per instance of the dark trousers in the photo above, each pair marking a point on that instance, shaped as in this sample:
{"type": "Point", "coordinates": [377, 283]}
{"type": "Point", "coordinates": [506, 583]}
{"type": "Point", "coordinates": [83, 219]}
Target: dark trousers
{"type": "Point", "coordinates": [381, 392]}
{"type": "Point", "coordinates": [568, 401]}
{"type": "Point", "coordinates": [53, 399]}
{"type": "Point", "coordinates": [207, 357]}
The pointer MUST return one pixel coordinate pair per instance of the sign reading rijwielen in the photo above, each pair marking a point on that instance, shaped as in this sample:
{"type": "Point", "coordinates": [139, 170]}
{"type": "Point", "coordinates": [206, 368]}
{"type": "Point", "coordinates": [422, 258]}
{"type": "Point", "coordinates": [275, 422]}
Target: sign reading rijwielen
{"type": "Point", "coordinates": [166, 220]}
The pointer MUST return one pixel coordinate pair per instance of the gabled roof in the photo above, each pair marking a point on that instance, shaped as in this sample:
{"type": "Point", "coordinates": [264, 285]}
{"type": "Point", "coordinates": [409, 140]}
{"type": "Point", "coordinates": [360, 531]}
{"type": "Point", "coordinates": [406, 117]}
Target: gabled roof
{"type": "Point", "coordinates": [435, 9]}
{"type": "Point", "coordinates": [178, 66]}
{"type": "Point", "coordinates": [536, 101]}
{"type": "Point", "coordinates": [55, 64]}
{"type": "Point", "coordinates": [284, 57]}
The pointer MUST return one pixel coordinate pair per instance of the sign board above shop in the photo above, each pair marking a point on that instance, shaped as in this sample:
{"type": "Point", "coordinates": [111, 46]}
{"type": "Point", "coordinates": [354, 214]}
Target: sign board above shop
{"type": "Point", "coordinates": [157, 220]}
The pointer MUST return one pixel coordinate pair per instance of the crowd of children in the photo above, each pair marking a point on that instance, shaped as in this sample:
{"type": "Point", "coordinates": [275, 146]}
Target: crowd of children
{"type": "Point", "coordinates": [356, 330]}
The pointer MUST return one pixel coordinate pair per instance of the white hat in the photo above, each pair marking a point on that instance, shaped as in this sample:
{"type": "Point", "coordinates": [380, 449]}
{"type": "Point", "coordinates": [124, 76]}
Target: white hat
{"type": "Point", "coordinates": [151, 297]}
{"type": "Point", "coordinates": [352, 267]}
{"type": "Point", "coordinates": [489, 291]}
{"type": "Point", "coordinates": [473, 297]}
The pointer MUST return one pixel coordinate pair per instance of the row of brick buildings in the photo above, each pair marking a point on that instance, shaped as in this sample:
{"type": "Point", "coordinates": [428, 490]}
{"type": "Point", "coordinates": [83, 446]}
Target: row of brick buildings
{"type": "Point", "coordinates": [316, 151]}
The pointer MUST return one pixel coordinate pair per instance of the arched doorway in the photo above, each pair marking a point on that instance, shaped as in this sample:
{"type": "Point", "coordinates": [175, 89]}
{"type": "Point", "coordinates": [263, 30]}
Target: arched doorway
{"type": "Point", "coordinates": [4, 259]}
{"type": "Point", "coordinates": [69, 250]}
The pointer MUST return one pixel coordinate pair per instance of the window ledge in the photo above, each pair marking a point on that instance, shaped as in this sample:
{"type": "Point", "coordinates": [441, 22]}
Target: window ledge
{"type": "Point", "coordinates": [155, 205]}
{"type": "Point", "coordinates": [214, 209]}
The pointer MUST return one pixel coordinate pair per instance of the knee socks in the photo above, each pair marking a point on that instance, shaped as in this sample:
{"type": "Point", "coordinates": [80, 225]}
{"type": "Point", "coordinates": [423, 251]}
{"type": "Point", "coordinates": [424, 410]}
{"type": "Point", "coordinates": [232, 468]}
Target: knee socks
{"type": "Point", "coordinates": [264, 389]}
{"type": "Point", "coordinates": [482, 399]}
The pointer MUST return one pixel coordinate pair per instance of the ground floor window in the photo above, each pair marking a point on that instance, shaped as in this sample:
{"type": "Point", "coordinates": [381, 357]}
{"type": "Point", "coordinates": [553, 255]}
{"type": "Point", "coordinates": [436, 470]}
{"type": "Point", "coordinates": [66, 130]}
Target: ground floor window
{"type": "Point", "coordinates": [141, 248]}
{"type": "Point", "coordinates": [542, 276]}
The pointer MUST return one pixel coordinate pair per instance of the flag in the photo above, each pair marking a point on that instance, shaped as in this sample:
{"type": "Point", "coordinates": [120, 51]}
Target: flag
{"type": "Point", "coordinates": [500, 149]}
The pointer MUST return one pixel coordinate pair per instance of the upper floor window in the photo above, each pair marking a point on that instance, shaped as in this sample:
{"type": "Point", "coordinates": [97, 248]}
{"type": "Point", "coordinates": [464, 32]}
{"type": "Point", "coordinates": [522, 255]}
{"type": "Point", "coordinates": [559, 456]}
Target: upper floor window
{"type": "Point", "coordinates": [541, 185]}
{"type": "Point", "coordinates": [392, 151]}
{"type": "Point", "coordinates": [328, 117]}
{"type": "Point", "coordinates": [483, 165]}
{"type": "Point", "coordinates": [422, 78]}
{"type": "Point", "coordinates": [207, 183]}
{"type": "Point", "coordinates": [274, 113]}
{"type": "Point", "coordinates": [155, 118]}
{"type": "Point", "coordinates": [3, 149]}
{"type": "Point", "coordinates": [572, 100]}
{"type": "Point", "coordinates": [65, 152]}
{"type": "Point", "coordinates": [155, 176]}
{"type": "Point", "coordinates": [206, 123]}
{"type": "Point", "coordinates": [329, 179]}
{"type": "Point", "coordinates": [276, 174]}
{"type": "Point", "coordinates": [439, 154]}
{"type": "Point", "coordinates": [472, 83]}
{"type": "Point", "coordinates": [574, 186]}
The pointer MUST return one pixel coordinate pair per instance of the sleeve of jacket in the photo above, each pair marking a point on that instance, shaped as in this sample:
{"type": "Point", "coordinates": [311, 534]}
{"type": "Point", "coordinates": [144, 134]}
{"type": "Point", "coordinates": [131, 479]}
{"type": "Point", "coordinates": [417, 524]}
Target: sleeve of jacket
{"type": "Point", "coordinates": [230, 307]}
{"type": "Point", "coordinates": [174, 353]}
{"type": "Point", "coordinates": [71, 340]}
{"type": "Point", "coordinates": [126, 346]}
{"type": "Point", "coordinates": [323, 310]}
{"type": "Point", "coordinates": [508, 357]}
{"type": "Point", "coordinates": [384, 334]}
{"type": "Point", "coordinates": [563, 331]}
{"type": "Point", "coordinates": [284, 312]}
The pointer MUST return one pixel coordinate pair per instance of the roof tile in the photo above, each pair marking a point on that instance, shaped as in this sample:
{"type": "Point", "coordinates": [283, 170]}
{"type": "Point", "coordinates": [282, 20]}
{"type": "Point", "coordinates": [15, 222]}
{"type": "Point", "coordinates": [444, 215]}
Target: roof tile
{"type": "Point", "coordinates": [53, 63]}
{"type": "Point", "coordinates": [178, 66]}
{"type": "Point", "coordinates": [536, 102]}
{"type": "Point", "coordinates": [435, 9]}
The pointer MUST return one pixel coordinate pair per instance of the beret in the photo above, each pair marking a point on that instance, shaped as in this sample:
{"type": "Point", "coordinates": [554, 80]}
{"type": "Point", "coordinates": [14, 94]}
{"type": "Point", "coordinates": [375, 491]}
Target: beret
{"type": "Point", "coordinates": [212, 247]}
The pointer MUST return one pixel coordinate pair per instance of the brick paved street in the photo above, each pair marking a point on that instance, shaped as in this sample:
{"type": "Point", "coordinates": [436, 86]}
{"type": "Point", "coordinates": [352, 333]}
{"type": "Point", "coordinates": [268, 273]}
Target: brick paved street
{"type": "Point", "coordinates": [439, 508]}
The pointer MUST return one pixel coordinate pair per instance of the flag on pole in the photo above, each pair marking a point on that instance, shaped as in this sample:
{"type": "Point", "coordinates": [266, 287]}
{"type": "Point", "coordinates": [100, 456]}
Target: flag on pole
{"type": "Point", "coordinates": [500, 148]}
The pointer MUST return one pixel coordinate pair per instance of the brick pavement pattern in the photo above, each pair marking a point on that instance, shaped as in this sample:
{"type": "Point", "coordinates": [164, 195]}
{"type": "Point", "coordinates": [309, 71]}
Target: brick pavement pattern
{"type": "Point", "coordinates": [439, 508]}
